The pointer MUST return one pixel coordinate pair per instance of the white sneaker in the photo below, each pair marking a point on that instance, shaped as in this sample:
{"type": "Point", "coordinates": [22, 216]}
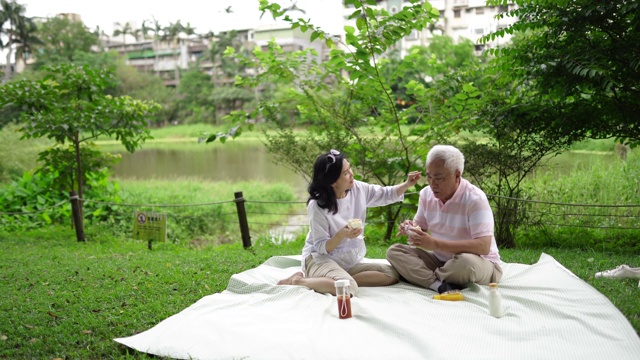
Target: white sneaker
{"type": "Point", "coordinates": [622, 271]}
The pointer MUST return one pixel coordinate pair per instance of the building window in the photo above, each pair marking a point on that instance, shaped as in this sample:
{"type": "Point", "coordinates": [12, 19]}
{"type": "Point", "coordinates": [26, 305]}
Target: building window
{"type": "Point", "coordinates": [479, 31]}
{"type": "Point", "coordinates": [456, 13]}
{"type": "Point", "coordinates": [479, 11]}
{"type": "Point", "coordinates": [394, 9]}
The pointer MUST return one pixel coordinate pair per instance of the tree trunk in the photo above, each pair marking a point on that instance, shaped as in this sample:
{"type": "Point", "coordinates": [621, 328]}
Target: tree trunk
{"type": "Point", "coordinates": [506, 222]}
{"type": "Point", "coordinates": [7, 67]}
{"type": "Point", "coordinates": [79, 220]}
{"type": "Point", "coordinates": [75, 214]}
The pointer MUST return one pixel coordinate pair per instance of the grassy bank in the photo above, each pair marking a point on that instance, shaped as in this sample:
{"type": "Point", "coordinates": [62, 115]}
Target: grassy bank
{"type": "Point", "coordinates": [185, 136]}
{"type": "Point", "coordinates": [63, 299]}
{"type": "Point", "coordinates": [605, 206]}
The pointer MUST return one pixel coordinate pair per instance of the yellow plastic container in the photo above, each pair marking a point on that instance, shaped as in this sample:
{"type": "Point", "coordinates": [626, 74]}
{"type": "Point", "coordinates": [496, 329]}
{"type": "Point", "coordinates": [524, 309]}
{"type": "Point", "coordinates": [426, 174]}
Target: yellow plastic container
{"type": "Point", "coordinates": [449, 296]}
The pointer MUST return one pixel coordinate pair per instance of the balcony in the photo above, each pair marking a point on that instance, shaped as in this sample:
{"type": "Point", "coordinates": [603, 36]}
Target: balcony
{"type": "Point", "coordinates": [460, 3]}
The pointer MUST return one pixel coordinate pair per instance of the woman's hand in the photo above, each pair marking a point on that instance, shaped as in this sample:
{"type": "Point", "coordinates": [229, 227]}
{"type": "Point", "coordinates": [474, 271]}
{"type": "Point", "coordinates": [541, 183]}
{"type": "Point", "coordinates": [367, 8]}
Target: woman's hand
{"type": "Point", "coordinates": [347, 232]}
{"type": "Point", "coordinates": [413, 178]}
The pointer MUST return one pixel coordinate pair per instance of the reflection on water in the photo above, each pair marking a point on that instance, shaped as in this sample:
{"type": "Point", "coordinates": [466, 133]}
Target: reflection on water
{"type": "Point", "coordinates": [227, 162]}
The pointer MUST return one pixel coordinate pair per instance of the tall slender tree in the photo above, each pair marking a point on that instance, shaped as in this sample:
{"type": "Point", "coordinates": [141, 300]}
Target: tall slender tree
{"type": "Point", "coordinates": [172, 35]}
{"type": "Point", "coordinates": [124, 30]}
{"type": "Point", "coordinates": [17, 32]}
{"type": "Point", "coordinates": [154, 26]}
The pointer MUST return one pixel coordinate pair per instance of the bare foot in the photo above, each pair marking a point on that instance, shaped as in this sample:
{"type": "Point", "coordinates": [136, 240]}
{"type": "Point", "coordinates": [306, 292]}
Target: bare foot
{"type": "Point", "coordinates": [291, 280]}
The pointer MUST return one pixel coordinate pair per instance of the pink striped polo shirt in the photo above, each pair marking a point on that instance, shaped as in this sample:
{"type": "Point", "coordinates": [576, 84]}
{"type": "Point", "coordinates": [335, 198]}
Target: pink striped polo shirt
{"type": "Point", "coordinates": [467, 215]}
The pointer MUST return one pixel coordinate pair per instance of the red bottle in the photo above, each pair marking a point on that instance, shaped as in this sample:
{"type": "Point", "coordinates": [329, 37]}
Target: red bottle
{"type": "Point", "coordinates": [344, 299]}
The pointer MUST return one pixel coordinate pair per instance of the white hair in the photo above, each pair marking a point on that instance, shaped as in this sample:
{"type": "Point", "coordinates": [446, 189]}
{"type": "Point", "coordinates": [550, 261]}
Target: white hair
{"type": "Point", "coordinates": [452, 157]}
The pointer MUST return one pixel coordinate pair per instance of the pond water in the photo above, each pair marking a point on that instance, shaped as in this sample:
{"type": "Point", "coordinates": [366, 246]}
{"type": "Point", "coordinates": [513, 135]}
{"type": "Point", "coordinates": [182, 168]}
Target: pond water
{"type": "Point", "coordinates": [251, 162]}
{"type": "Point", "coordinates": [217, 162]}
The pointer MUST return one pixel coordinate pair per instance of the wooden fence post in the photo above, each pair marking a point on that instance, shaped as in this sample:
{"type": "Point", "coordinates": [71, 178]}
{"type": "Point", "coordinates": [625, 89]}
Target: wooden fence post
{"type": "Point", "coordinates": [77, 217]}
{"type": "Point", "coordinates": [242, 218]}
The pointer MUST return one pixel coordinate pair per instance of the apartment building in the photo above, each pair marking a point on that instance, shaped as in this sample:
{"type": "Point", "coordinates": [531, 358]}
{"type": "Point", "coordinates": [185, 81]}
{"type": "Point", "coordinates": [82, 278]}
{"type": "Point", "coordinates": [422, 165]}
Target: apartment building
{"type": "Point", "coordinates": [164, 58]}
{"type": "Point", "coordinates": [469, 19]}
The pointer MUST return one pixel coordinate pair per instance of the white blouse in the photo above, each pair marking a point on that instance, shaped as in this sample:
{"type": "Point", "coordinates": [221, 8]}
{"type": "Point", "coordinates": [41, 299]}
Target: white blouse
{"type": "Point", "coordinates": [323, 225]}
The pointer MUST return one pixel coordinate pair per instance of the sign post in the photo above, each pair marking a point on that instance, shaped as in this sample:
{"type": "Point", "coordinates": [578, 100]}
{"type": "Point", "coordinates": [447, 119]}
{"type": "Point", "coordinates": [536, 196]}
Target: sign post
{"type": "Point", "coordinates": [150, 226]}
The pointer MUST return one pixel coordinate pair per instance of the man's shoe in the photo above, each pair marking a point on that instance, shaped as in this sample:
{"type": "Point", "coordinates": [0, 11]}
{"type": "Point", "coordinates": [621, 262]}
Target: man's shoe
{"type": "Point", "coordinates": [622, 271]}
{"type": "Point", "coordinates": [448, 287]}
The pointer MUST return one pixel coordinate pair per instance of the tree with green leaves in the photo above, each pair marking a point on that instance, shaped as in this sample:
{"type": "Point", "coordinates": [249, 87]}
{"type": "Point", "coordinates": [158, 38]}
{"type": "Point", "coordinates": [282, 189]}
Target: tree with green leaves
{"type": "Point", "coordinates": [62, 40]}
{"type": "Point", "coordinates": [124, 30]}
{"type": "Point", "coordinates": [348, 109]}
{"type": "Point", "coordinates": [147, 87]}
{"type": "Point", "coordinates": [569, 73]}
{"type": "Point", "coordinates": [172, 34]}
{"type": "Point", "coordinates": [505, 145]}
{"type": "Point", "coordinates": [225, 67]}
{"type": "Point", "coordinates": [583, 60]}
{"type": "Point", "coordinates": [17, 32]}
{"type": "Point", "coordinates": [195, 90]}
{"type": "Point", "coordinates": [70, 107]}
{"type": "Point", "coordinates": [426, 64]}
{"type": "Point", "coordinates": [229, 98]}
{"type": "Point", "coordinates": [158, 32]}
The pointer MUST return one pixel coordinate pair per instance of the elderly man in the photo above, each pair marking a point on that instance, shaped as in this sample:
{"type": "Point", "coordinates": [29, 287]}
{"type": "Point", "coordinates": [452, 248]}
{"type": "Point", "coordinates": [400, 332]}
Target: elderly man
{"type": "Point", "coordinates": [451, 239]}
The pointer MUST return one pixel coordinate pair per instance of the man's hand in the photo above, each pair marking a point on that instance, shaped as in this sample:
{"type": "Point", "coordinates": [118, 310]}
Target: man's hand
{"type": "Point", "coordinates": [404, 226]}
{"type": "Point", "coordinates": [421, 239]}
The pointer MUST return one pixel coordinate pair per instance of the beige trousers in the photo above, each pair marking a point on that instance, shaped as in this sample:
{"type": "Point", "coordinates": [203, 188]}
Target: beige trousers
{"type": "Point", "coordinates": [421, 267]}
{"type": "Point", "coordinates": [332, 270]}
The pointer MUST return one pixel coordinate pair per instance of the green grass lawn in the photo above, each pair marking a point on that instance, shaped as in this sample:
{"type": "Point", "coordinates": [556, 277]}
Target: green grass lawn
{"type": "Point", "coordinates": [63, 299]}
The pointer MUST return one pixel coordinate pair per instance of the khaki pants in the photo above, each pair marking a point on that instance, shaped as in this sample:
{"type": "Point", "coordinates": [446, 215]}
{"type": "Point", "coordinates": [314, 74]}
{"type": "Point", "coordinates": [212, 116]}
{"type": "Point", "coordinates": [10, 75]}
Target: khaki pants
{"type": "Point", "coordinates": [421, 267]}
{"type": "Point", "coordinates": [332, 270]}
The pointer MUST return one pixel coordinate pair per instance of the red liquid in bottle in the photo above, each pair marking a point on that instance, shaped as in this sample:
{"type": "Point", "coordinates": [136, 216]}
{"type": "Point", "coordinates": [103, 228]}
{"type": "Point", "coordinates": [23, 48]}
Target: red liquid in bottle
{"type": "Point", "coordinates": [344, 307]}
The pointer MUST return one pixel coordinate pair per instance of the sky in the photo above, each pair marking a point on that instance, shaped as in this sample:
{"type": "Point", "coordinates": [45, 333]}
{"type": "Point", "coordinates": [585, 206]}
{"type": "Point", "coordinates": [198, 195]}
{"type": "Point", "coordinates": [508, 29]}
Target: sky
{"type": "Point", "coordinates": [204, 15]}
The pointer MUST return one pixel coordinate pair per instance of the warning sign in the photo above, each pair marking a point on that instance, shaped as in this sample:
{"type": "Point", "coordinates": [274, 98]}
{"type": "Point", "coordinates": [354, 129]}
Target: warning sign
{"type": "Point", "coordinates": [150, 226]}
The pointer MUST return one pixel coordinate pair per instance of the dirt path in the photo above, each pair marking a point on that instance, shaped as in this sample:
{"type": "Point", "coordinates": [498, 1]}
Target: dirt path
{"type": "Point", "coordinates": [296, 225]}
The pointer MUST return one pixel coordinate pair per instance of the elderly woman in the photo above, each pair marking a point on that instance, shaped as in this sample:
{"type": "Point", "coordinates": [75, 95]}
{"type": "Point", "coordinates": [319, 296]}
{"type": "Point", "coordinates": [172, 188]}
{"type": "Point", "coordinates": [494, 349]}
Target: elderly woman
{"type": "Point", "coordinates": [334, 250]}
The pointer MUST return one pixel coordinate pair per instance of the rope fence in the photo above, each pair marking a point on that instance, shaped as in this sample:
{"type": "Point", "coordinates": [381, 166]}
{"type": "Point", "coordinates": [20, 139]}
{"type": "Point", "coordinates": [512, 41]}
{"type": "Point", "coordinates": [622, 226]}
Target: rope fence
{"type": "Point", "coordinates": [534, 213]}
{"type": "Point", "coordinates": [269, 217]}
{"type": "Point", "coordinates": [39, 211]}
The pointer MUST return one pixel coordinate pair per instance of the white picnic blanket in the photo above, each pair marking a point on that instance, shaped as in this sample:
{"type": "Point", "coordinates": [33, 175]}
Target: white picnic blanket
{"type": "Point", "coordinates": [551, 314]}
